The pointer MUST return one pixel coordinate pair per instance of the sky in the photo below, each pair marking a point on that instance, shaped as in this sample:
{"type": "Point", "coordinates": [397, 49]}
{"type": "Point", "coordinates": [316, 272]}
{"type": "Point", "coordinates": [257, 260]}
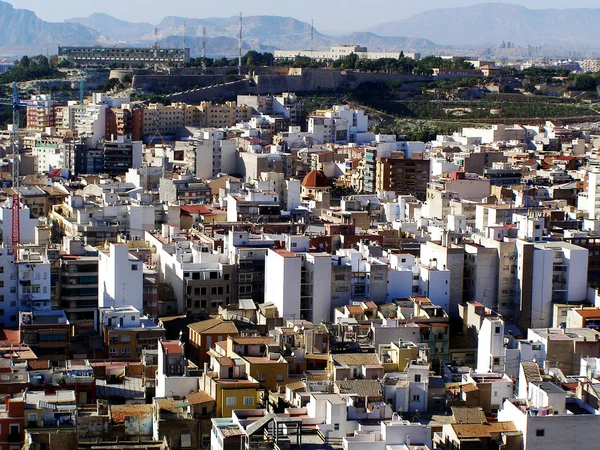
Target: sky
{"type": "Point", "coordinates": [328, 15]}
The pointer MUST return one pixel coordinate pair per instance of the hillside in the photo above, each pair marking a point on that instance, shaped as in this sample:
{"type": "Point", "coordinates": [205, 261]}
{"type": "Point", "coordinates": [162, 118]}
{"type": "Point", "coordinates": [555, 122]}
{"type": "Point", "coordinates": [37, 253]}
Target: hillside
{"type": "Point", "coordinates": [491, 23]}
{"type": "Point", "coordinates": [22, 32]}
{"type": "Point", "coordinates": [119, 30]}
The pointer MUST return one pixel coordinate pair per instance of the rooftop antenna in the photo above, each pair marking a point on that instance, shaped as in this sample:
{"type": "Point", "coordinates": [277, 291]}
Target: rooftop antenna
{"type": "Point", "coordinates": [155, 50]}
{"type": "Point", "coordinates": [240, 47]}
{"type": "Point", "coordinates": [184, 40]}
{"type": "Point", "coordinates": [312, 35]}
{"type": "Point", "coordinates": [203, 49]}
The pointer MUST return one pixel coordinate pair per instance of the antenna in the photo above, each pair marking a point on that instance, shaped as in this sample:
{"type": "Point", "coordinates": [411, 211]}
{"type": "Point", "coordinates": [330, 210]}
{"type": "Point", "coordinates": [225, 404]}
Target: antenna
{"type": "Point", "coordinates": [312, 33]}
{"type": "Point", "coordinates": [203, 49]}
{"type": "Point", "coordinates": [184, 24]}
{"type": "Point", "coordinates": [155, 50]}
{"type": "Point", "coordinates": [240, 46]}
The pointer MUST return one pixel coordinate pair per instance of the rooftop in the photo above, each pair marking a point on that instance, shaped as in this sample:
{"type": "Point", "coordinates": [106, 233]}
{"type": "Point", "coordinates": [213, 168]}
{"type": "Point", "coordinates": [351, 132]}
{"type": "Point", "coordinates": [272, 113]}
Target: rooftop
{"type": "Point", "coordinates": [213, 326]}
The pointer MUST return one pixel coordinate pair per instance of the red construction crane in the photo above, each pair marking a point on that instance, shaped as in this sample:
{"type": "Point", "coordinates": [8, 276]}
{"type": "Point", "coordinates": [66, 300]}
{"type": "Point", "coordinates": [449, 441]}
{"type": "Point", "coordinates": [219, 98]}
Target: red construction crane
{"type": "Point", "coordinates": [16, 201]}
{"type": "Point", "coordinates": [16, 197]}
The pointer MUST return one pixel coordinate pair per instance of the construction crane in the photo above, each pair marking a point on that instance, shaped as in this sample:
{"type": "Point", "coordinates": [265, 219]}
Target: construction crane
{"type": "Point", "coordinates": [16, 201]}
{"type": "Point", "coordinates": [16, 197]}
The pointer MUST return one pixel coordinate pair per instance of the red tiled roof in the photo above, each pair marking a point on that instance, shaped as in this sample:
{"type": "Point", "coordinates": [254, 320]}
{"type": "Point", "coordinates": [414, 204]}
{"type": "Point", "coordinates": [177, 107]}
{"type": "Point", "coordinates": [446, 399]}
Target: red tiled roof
{"type": "Point", "coordinates": [172, 347]}
{"type": "Point", "coordinates": [198, 209]}
{"type": "Point", "coordinates": [315, 179]}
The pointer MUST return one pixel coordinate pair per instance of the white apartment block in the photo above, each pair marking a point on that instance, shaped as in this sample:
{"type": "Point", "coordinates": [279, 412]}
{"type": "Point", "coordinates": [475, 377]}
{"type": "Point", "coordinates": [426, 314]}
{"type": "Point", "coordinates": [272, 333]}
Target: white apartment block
{"type": "Point", "coordinates": [213, 154]}
{"type": "Point", "coordinates": [299, 284]}
{"type": "Point", "coordinates": [560, 274]}
{"type": "Point", "coordinates": [491, 352]}
{"type": "Point", "coordinates": [590, 201]}
{"type": "Point", "coordinates": [120, 278]}
{"type": "Point", "coordinates": [24, 284]}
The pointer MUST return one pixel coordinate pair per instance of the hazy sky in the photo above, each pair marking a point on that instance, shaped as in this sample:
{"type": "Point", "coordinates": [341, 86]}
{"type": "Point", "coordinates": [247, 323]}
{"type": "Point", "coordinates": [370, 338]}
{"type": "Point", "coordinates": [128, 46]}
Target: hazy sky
{"type": "Point", "coordinates": [328, 15]}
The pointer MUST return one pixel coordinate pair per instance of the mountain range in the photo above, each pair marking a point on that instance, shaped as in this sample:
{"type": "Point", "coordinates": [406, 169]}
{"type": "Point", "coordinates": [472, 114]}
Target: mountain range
{"type": "Point", "coordinates": [491, 23]}
{"type": "Point", "coordinates": [22, 32]}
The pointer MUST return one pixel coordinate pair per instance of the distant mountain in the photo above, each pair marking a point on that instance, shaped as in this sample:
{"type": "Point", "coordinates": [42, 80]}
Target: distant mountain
{"type": "Point", "coordinates": [387, 43]}
{"type": "Point", "coordinates": [492, 23]}
{"type": "Point", "coordinates": [119, 30]}
{"type": "Point", "coordinates": [215, 47]}
{"type": "Point", "coordinates": [276, 31]}
{"type": "Point", "coordinates": [22, 32]}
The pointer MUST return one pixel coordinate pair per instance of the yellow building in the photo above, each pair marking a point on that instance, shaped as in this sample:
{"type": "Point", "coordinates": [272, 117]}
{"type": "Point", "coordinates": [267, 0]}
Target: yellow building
{"type": "Point", "coordinates": [215, 115]}
{"type": "Point", "coordinates": [230, 393]}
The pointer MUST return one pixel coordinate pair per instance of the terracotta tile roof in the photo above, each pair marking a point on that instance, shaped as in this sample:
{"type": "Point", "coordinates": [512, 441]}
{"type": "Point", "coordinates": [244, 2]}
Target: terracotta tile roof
{"type": "Point", "coordinates": [254, 340]}
{"type": "Point", "coordinates": [588, 313]}
{"type": "Point", "coordinates": [315, 179]}
{"type": "Point", "coordinates": [362, 388]}
{"type": "Point", "coordinates": [168, 404]}
{"type": "Point", "coordinates": [118, 413]}
{"type": "Point", "coordinates": [531, 371]}
{"type": "Point", "coordinates": [469, 387]}
{"type": "Point", "coordinates": [262, 360]}
{"type": "Point", "coordinates": [356, 359]}
{"type": "Point", "coordinates": [468, 414]}
{"type": "Point", "coordinates": [213, 326]}
{"type": "Point", "coordinates": [297, 386]}
{"type": "Point", "coordinates": [172, 347]}
{"type": "Point", "coordinates": [198, 398]}
{"type": "Point", "coordinates": [469, 431]}
{"type": "Point", "coordinates": [354, 309]}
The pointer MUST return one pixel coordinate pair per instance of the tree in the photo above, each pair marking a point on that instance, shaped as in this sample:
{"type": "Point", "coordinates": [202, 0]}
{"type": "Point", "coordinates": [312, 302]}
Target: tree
{"type": "Point", "coordinates": [585, 82]}
{"type": "Point", "coordinates": [529, 87]}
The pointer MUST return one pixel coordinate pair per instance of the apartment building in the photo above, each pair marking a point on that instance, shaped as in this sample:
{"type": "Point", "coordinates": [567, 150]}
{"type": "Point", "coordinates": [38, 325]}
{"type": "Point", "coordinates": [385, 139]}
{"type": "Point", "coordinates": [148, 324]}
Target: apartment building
{"type": "Point", "coordinates": [121, 155]}
{"type": "Point", "coordinates": [299, 284]}
{"type": "Point", "coordinates": [120, 278]}
{"type": "Point", "coordinates": [212, 154]}
{"type": "Point", "coordinates": [184, 189]}
{"type": "Point", "coordinates": [78, 291]}
{"type": "Point", "coordinates": [402, 176]}
{"type": "Point", "coordinates": [126, 332]}
{"type": "Point", "coordinates": [202, 282]}
{"type": "Point", "coordinates": [105, 56]}
{"type": "Point", "coordinates": [205, 334]}
{"type": "Point", "coordinates": [47, 333]}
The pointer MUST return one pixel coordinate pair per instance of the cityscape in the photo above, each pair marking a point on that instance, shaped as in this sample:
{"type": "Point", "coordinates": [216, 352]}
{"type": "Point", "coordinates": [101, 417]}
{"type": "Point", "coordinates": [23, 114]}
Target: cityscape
{"type": "Point", "coordinates": [240, 232]}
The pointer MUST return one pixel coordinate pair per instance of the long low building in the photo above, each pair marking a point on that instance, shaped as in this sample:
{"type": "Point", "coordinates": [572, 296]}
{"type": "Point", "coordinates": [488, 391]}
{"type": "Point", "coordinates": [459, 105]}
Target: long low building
{"type": "Point", "coordinates": [104, 56]}
{"type": "Point", "coordinates": [341, 52]}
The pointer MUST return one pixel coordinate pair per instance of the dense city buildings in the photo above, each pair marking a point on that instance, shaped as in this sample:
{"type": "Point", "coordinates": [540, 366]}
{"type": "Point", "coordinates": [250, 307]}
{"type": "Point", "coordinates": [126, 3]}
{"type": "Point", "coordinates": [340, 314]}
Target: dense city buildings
{"type": "Point", "coordinates": [268, 271]}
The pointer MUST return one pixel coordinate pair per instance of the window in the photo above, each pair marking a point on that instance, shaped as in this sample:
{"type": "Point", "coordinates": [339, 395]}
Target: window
{"type": "Point", "coordinates": [248, 401]}
{"type": "Point", "coordinates": [261, 377]}
{"type": "Point", "coordinates": [417, 378]}
{"type": "Point", "coordinates": [125, 351]}
{"type": "Point", "coordinates": [1, 269]}
{"type": "Point", "coordinates": [32, 417]}
{"type": "Point", "coordinates": [336, 427]}
{"type": "Point", "coordinates": [279, 377]}
{"type": "Point", "coordinates": [496, 361]}
{"type": "Point", "coordinates": [134, 267]}
{"type": "Point", "coordinates": [230, 401]}
{"type": "Point", "coordinates": [497, 330]}
{"type": "Point", "coordinates": [416, 398]}
{"type": "Point", "coordinates": [540, 432]}
{"type": "Point", "coordinates": [13, 429]}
